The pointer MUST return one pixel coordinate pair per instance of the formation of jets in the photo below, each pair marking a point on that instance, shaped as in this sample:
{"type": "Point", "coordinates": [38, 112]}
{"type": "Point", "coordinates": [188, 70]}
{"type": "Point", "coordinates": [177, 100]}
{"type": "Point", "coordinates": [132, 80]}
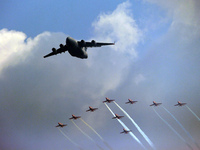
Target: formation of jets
{"type": "Point", "coordinates": [61, 125]}
{"type": "Point", "coordinates": [130, 101]}
{"type": "Point", "coordinates": [125, 131]}
{"type": "Point", "coordinates": [117, 116]}
{"type": "Point", "coordinates": [76, 48]}
{"type": "Point", "coordinates": [75, 117]}
{"type": "Point", "coordinates": [180, 104]}
{"type": "Point", "coordinates": [91, 109]}
{"type": "Point", "coordinates": [155, 104]}
{"type": "Point", "coordinates": [108, 100]}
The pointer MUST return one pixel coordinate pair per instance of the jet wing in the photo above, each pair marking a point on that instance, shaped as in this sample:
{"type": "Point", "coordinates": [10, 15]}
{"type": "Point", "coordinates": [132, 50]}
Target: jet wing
{"type": "Point", "coordinates": [55, 52]}
{"type": "Point", "coordinates": [94, 44]}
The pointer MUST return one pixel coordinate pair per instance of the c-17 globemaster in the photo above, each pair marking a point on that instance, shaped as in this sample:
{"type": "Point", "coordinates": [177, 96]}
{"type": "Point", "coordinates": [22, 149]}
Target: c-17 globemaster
{"type": "Point", "coordinates": [76, 48]}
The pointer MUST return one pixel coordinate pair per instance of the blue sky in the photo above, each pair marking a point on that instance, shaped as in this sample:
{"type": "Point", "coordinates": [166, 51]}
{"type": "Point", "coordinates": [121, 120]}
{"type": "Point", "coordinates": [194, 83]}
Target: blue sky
{"type": "Point", "coordinates": [156, 57]}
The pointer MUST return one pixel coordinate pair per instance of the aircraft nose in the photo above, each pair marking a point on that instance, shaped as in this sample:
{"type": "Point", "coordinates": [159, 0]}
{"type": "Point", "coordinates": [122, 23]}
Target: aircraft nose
{"type": "Point", "coordinates": [67, 40]}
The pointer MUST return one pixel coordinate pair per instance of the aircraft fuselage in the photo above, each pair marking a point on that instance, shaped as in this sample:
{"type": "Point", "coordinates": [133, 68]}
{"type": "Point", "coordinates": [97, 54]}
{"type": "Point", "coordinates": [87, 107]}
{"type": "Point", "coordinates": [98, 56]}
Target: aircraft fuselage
{"type": "Point", "coordinates": [75, 49]}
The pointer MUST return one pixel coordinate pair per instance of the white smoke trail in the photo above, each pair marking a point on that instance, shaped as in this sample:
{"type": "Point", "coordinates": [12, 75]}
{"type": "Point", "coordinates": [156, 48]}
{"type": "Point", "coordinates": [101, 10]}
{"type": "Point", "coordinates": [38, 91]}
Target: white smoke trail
{"type": "Point", "coordinates": [86, 134]}
{"type": "Point", "coordinates": [192, 112]}
{"type": "Point", "coordinates": [92, 129]}
{"type": "Point", "coordinates": [189, 135]}
{"type": "Point", "coordinates": [138, 128]}
{"type": "Point", "coordinates": [134, 137]}
{"type": "Point", "coordinates": [96, 134]}
{"type": "Point", "coordinates": [69, 139]}
{"type": "Point", "coordinates": [172, 129]}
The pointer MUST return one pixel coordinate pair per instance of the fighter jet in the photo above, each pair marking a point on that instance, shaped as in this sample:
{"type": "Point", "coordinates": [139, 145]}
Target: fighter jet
{"type": "Point", "coordinates": [75, 117]}
{"type": "Point", "coordinates": [125, 131]}
{"type": "Point", "coordinates": [180, 104]}
{"type": "Point", "coordinates": [61, 125]}
{"type": "Point", "coordinates": [130, 101]}
{"type": "Point", "coordinates": [117, 116]}
{"type": "Point", "coordinates": [91, 109]}
{"type": "Point", "coordinates": [155, 104]}
{"type": "Point", "coordinates": [76, 48]}
{"type": "Point", "coordinates": [108, 100]}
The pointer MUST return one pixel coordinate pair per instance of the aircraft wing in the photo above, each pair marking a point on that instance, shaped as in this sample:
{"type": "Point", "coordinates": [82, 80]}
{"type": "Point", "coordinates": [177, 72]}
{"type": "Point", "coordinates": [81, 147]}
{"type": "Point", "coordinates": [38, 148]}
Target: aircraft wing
{"type": "Point", "coordinates": [176, 105]}
{"type": "Point", "coordinates": [151, 105]}
{"type": "Point", "coordinates": [94, 44]}
{"type": "Point", "coordinates": [55, 52]}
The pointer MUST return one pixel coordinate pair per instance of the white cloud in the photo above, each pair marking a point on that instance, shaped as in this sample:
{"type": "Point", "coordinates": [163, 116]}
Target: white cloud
{"type": "Point", "coordinates": [121, 27]}
{"type": "Point", "coordinates": [12, 46]}
{"type": "Point", "coordinates": [139, 78]}
{"type": "Point", "coordinates": [15, 48]}
{"type": "Point", "coordinates": [184, 14]}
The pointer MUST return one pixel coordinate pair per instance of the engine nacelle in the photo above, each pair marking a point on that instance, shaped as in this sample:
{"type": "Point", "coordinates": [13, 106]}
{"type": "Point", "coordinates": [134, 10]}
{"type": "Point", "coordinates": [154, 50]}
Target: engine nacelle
{"type": "Point", "coordinates": [61, 45]}
{"type": "Point", "coordinates": [83, 43]}
{"type": "Point", "coordinates": [93, 42]}
{"type": "Point", "coordinates": [54, 50]}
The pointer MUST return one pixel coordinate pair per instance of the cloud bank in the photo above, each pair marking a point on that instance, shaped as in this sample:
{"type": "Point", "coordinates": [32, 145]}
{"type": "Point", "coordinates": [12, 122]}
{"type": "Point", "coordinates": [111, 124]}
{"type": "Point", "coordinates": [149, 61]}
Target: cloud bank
{"type": "Point", "coordinates": [45, 89]}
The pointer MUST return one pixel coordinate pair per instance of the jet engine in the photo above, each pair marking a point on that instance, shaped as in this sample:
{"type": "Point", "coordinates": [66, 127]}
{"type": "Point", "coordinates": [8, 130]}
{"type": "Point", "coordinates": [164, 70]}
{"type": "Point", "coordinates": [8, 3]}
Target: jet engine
{"type": "Point", "coordinates": [93, 42]}
{"type": "Point", "coordinates": [54, 50]}
{"type": "Point", "coordinates": [83, 43]}
{"type": "Point", "coordinates": [61, 45]}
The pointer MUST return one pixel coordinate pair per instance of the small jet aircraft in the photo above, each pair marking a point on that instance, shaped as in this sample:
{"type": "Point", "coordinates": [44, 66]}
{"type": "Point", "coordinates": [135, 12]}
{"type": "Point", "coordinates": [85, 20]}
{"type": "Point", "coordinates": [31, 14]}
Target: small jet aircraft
{"type": "Point", "coordinates": [125, 131]}
{"type": "Point", "coordinates": [61, 125]}
{"type": "Point", "coordinates": [91, 109]}
{"type": "Point", "coordinates": [117, 116]}
{"type": "Point", "coordinates": [130, 101]}
{"type": "Point", "coordinates": [180, 104]}
{"type": "Point", "coordinates": [75, 117]}
{"type": "Point", "coordinates": [76, 48]}
{"type": "Point", "coordinates": [155, 104]}
{"type": "Point", "coordinates": [108, 100]}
